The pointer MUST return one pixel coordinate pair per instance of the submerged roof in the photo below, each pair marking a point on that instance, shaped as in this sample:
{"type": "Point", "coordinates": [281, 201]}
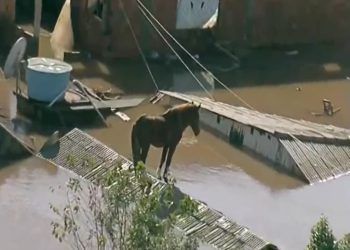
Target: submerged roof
{"type": "Point", "coordinates": [319, 162]}
{"type": "Point", "coordinates": [207, 225]}
{"type": "Point", "coordinates": [278, 125]}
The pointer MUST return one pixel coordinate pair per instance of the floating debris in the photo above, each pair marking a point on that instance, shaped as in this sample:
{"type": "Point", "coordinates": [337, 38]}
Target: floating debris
{"type": "Point", "coordinates": [122, 116]}
{"type": "Point", "coordinates": [328, 109]}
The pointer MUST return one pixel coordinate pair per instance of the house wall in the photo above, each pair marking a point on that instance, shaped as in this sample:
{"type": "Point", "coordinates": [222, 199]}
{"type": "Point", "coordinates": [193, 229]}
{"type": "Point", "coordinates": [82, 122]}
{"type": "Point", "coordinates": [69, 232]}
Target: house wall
{"type": "Point", "coordinates": [8, 7]}
{"type": "Point", "coordinates": [259, 142]}
{"type": "Point", "coordinates": [118, 40]}
{"type": "Point", "coordinates": [8, 29]}
{"type": "Point", "coordinates": [268, 22]}
{"type": "Point", "coordinates": [241, 22]}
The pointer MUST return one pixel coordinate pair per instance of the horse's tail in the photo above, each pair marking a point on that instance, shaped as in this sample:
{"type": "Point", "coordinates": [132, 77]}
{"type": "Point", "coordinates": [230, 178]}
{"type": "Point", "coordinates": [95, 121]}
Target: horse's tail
{"type": "Point", "coordinates": [135, 143]}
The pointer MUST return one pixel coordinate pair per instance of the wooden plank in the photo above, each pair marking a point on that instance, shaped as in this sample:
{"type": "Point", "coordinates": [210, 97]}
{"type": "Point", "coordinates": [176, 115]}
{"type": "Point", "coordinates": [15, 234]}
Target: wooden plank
{"type": "Point", "coordinates": [111, 104]}
{"type": "Point", "coordinates": [157, 98]}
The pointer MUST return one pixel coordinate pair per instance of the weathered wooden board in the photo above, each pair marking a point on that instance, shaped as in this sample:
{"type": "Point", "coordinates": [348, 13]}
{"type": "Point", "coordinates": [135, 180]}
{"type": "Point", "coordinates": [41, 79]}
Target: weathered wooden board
{"type": "Point", "coordinates": [111, 104]}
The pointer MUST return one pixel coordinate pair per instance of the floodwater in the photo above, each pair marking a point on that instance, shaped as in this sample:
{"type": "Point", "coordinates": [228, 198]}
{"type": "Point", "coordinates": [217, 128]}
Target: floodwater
{"type": "Point", "coordinates": [24, 205]}
{"type": "Point", "coordinates": [245, 188]}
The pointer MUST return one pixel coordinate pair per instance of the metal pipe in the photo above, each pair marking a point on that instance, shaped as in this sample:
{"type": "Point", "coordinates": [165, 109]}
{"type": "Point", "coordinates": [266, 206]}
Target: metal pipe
{"type": "Point", "coordinates": [58, 96]}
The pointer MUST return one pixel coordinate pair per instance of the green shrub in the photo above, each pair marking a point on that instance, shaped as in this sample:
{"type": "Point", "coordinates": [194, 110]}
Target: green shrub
{"type": "Point", "coordinates": [121, 211]}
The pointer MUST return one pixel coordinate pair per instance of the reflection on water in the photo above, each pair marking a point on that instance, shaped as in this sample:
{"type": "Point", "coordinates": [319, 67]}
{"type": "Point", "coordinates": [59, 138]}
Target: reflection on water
{"type": "Point", "coordinates": [24, 205]}
{"type": "Point", "coordinates": [184, 82]}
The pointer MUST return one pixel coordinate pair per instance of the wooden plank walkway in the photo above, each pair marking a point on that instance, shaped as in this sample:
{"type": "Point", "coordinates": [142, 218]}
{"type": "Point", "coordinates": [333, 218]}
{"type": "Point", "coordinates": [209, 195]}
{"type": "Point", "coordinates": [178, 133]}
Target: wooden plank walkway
{"type": "Point", "coordinates": [89, 158]}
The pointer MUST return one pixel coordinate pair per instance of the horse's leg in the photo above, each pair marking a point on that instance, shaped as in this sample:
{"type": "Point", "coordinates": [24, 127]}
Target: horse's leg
{"type": "Point", "coordinates": [168, 162]}
{"type": "Point", "coordinates": [144, 153]}
{"type": "Point", "coordinates": [164, 153]}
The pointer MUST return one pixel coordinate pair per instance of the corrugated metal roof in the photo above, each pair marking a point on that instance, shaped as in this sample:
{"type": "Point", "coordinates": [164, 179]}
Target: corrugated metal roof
{"type": "Point", "coordinates": [89, 158]}
{"type": "Point", "coordinates": [274, 124]}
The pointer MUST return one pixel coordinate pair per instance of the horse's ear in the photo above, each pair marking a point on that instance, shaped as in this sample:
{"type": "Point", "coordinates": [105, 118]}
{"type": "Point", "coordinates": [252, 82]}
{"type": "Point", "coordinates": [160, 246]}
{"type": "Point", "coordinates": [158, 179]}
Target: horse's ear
{"type": "Point", "coordinates": [192, 102]}
{"type": "Point", "coordinates": [199, 106]}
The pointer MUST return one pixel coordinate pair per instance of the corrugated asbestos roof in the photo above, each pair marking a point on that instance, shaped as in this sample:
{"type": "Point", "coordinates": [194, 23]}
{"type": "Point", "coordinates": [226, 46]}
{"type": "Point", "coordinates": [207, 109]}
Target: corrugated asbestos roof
{"type": "Point", "coordinates": [273, 124]}
{"type": "Point", "coordinates": [89, 158]}
{"type": "Point", "coordinates": [321, 152]}
{"type": "Point", "coordinates": [319, 162]}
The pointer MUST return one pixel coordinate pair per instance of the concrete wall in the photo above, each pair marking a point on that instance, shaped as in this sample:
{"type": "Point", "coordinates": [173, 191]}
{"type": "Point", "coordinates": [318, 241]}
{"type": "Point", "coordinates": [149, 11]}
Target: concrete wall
{"type": "Point", "coordinates": [268, 22]}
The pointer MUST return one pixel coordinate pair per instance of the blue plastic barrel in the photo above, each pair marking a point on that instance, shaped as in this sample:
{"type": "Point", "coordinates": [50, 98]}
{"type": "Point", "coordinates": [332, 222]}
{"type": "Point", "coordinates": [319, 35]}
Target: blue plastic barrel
{"type": "Point", "coordinates": [47, 78]}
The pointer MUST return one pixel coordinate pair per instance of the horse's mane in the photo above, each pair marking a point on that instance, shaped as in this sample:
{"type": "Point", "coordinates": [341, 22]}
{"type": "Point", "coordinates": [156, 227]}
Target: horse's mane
{"type": "Point", "coordinates": [182, 108]}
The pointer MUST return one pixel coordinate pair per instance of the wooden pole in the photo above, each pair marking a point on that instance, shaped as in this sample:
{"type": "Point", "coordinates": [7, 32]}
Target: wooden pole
{"type": "Point", "coordinates": [82, 89]}
{"type": "Point", "coordinates": [37, 18]}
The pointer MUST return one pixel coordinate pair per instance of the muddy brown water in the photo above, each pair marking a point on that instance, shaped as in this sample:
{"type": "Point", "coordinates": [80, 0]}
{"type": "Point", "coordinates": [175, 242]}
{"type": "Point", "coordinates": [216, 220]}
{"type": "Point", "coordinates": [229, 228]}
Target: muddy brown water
{"type": "Point", "coordinates": [277, 207]}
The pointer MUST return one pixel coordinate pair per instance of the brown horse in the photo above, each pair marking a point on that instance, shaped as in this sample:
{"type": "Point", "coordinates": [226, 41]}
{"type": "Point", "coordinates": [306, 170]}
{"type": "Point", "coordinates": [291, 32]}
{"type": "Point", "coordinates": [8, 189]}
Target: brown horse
{"type": "Point", "coordinates": [163, 131]}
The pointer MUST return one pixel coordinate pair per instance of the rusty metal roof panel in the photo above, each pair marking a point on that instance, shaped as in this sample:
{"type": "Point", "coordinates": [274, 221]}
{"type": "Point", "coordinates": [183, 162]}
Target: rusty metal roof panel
{"type": "Point", "coordinates": [209, 226]}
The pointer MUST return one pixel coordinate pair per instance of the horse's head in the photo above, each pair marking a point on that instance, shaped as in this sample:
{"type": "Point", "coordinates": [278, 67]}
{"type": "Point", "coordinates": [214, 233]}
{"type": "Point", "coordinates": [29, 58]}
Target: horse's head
{"type": "Point", "coordinates": [194, 118]}
{"type": "Point", "coordinates": [186, 115]}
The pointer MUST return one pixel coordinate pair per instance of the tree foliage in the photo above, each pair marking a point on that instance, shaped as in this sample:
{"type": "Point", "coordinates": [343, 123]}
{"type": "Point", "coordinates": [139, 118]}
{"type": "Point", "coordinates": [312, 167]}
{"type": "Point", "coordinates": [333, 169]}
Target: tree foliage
{"type": "Point", "coordinates": [322, 238]}
{"type": "Point", "coordinates": [121, 211]}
